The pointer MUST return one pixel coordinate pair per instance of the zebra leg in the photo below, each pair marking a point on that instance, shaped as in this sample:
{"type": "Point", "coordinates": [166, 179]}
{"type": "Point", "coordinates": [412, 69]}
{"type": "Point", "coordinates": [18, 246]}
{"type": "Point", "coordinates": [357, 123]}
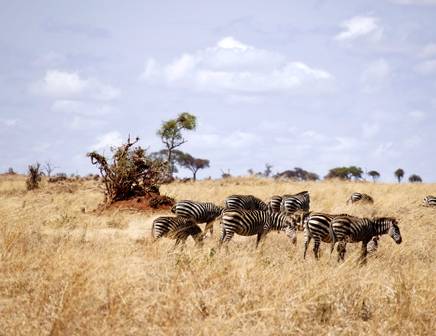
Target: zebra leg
{"type": "Point", "coordinates": [364, 252]}
{"type": "Point", "coordinates": [341, 251]}
{"type": "Point", "coordinates": [209, 226]}
{"type": "Point", "coordinates": [306, 245]}
{"type": "Point", "coordinates": [226, 237]}
{"type": "Point", "coordinates": [260, 238]}
{"type": "Point", "coordinates": [178, 240]}
{"type": "Point", "coordinates": [307, 239]}
{"type": "Point", "coordinates": [316, 244]}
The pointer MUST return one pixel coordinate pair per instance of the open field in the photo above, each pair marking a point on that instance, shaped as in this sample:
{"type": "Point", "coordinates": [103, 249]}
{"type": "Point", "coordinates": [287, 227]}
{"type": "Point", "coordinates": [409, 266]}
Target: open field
{"type": "Point", "coordinates": [65, 269]}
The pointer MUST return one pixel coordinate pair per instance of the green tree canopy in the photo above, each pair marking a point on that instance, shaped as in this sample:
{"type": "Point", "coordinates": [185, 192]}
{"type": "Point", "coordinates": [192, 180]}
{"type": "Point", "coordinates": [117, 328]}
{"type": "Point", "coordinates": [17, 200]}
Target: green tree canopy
{"type": "Point", "coordinates": [187, 161]}
{"type": "Point", "coordinates": [399, 174]}
{"type": "Point", "coordinates": [374, 174]}
{"type": "Point", "coordinates": [415, 178]}
{"type": "Point", "coordinates": [345, 173]}
{"type": "Point", "coordinates": [171, 134]}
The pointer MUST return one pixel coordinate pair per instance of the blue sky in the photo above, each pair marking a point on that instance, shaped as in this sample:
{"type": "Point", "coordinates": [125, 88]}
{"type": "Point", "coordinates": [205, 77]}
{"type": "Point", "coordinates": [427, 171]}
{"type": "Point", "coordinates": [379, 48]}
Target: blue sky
{"type": "Point", "coordinates": [313, 84]}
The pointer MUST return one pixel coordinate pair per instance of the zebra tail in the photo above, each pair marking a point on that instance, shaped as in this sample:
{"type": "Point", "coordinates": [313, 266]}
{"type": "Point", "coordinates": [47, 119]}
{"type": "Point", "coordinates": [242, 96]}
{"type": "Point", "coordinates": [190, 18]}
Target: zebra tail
{"type": "Point", "coordinates": [332, 238]}
{"type": "Point", "coordinates": [152, 230]}
{"type": "Point", "coordinates": [173, 208]}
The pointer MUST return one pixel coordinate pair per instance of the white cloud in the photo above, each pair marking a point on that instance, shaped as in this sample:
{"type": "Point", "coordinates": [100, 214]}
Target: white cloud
{"type": "Point", "coordinates": [370, 130]}
{"type": "Point", "coordinates": [50, 59]}
{"type": "Point", "coordinates": [8, 122]}
{"type": "Point", "coordinates": [69, 85]}
{"type": "Point", "coordinates": [235, 140]}
{"type": "Point", "coordinates": [428, 51]}
{"type": "Point", "coordinates": [376, 76]}
{"type": "Point", "coordinates": [414, 2]}
{"type": "Point", "coordinates": [360, 26]}
{"type": "Point", "coordinates": [109, 139]}
{"type": "Point", "coordinates": [417, 115]}
{"type": "Point", "coordinates": [385, 149]}
{"type": "Point", "coordinates": [413, 142]}
{"type": "Point", "coordinates": [427, 67]}
{"type": "Point", "coordinates": [232, 66]}
{"type": "Point", "coordinates": [82, 108]}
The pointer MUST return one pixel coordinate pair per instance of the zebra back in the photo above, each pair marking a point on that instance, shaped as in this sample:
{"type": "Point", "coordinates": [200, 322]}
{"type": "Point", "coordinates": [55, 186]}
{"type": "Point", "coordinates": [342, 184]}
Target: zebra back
{"type": "Point", "coordinates": [175, 228]}
{"type": "Point", "coordinates": [429, 200]}
{"type": "Point", "coordinates": [246, 202]}
{"type": "Point", "coordinates": [292, 203]}
{"type": "Point", "coordinates": [201, 212]}
{"type": "Point", "coordinates": [276, 201]}
{"type": "Point", "coordinates": [360, 197]}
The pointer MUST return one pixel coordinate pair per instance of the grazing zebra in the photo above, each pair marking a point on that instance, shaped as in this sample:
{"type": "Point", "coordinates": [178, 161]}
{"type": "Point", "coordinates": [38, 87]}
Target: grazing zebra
{"type": "Point", "coordinates": [245, 202]}
{"type": "Point", "coordinates": [429, 200]}
{"type": "Point", "coordinates": [317, 227]}
{"type": "Point", "coordinates": [200, 212]}
{"type": "Point", "coordinates": [292, 203]}
{"type": "Point", "coordinates": [178, 228]}
{"type": "Point", "coordinates": [346, 229]}
{"type": "Point", "coordinates": [360, 197]}
{"type": "Point", "coordinates": [255, 222]}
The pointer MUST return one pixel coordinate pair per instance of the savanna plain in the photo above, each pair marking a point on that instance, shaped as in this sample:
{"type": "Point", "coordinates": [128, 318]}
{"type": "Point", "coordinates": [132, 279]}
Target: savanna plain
{"type": "Point", "coordinates": [68, 269]}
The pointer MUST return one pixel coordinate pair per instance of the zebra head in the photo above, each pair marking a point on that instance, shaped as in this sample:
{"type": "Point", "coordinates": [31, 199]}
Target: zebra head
{"type": "Point", "coordinates": [290, 228]}
{"type": "Point", "coordinates": [394, 231]}
{"type": "Point", "coordinates": [195, 231]}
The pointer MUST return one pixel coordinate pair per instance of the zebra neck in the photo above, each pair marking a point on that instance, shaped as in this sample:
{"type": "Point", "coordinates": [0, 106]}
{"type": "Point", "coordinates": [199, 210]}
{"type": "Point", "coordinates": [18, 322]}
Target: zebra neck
{"type": "Point", "coordinates": [381, 227]}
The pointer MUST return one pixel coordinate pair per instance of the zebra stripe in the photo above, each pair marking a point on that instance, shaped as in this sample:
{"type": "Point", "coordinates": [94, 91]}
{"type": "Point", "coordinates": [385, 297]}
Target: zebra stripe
{"type": "Point", "coordinates": [245, 202]}
{"type": "Point", "coordinates": [292, 203]}
{"type": "Point", "coordinates": [317, 227]}
{"type": "Point", "coordinates": [429, 200]}
{"type": "Point", "coordinates": [360, 197]}
{"type": "Point", "coordinates": [346, 229]}
{"type": "Point", "coordinates": [199, 212]}
{"type": "Point", "coordinates": [177, 228]}
{"type": "Point", "coordinates": [275, 202]}
{"type": "Point", "coordinates": [256, 222]}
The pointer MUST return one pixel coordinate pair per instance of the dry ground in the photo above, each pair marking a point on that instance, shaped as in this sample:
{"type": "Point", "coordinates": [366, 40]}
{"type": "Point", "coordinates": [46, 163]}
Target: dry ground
{"type": "Point", "coordinates": [65, 269]}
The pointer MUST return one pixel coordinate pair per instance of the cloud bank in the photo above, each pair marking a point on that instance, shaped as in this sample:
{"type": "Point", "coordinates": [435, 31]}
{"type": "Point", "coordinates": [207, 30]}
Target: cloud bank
{"type": "Point", "coordinates": [232, 66]}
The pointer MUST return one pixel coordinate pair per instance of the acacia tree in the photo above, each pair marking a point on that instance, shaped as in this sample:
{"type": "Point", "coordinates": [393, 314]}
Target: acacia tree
{"type": "Point", "coordinates": [345, 173]}
{"type": "Point", "coordinates": [399, 174]}
{"type": "Point", "coordinates": [374, 174]}
{"type": "Point", "coordinates": [415, 178]}
{"type": "Point", "coordinates": [171, 134]}
{"type": "Point", "coordinates": [193, 164]}
{"type": "Point", "coordinates": [268, 170]}
{"type": "Point", "coordinates": [49, 168]}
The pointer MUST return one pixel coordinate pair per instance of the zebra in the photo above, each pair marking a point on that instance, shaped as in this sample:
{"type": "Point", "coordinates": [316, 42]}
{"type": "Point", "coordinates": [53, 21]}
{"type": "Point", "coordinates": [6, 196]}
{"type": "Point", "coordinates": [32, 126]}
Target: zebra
{"type": "Point", "coordinates": [200, 212]}
{"type": "Point", "coordinates": [360, 197]}
{"type": "Point", "coordinates": [347, 229]}
{"type": "Point", "coordinates": [275, 202]}
{"type": "Point", "coordinates": [429, 200]}
{"type": "Point", "coordinates": [245, 202]}
{"type": "Point", "coordinates": [292, 203]}
{"type": "Point", "coordinates": [317, 227]}
{"type": "Point", "coordinates": [255, 222]}
{"type": "Point", "coordinates": [177, 228]}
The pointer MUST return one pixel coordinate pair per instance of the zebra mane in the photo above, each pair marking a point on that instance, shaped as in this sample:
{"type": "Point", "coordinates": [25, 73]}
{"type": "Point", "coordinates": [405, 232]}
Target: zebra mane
{"type": "Point", "coordinates": [384, 219]}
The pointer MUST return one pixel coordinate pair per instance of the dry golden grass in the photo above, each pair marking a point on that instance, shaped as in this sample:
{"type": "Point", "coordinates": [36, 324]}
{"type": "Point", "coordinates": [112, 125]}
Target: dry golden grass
{"type": "Point", "coordinates": [65, 269]}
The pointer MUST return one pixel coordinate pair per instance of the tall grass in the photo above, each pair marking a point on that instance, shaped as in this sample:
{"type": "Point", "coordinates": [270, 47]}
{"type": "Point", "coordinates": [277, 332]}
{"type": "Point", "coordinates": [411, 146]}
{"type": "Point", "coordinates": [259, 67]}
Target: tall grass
{"type": "Point", "coordinates": [64, 271]}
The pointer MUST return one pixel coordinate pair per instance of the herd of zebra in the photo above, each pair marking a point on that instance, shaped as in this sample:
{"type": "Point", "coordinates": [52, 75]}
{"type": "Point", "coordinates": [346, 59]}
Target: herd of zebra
{"type": "Point", "coordinates": [247, 215]}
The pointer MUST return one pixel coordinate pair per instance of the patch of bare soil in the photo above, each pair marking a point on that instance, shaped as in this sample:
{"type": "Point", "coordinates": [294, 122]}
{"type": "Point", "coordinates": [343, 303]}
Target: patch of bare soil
{"type": "Point", "coordinates": [149, 203]}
